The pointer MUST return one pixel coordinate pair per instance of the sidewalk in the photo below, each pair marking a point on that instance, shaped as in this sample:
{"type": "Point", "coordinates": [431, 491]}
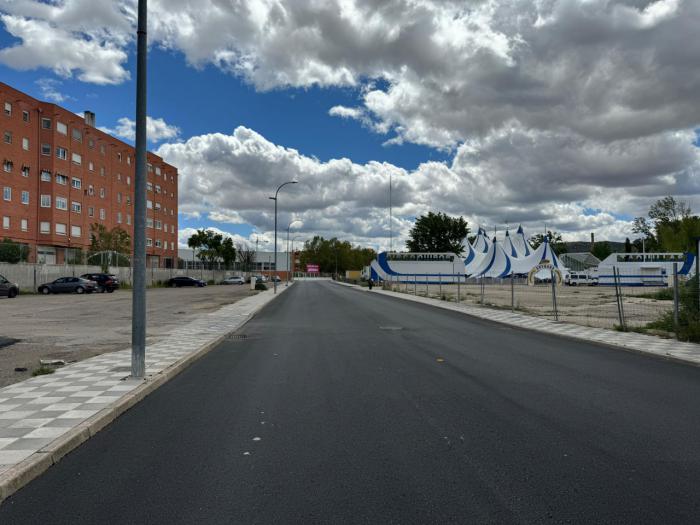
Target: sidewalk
{"type": "Point", "coordinates": [646, 344]}
{"type": "Point", "coordinates": [45, 417]}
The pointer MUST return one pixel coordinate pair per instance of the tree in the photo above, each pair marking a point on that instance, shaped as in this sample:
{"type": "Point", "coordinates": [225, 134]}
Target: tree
{"type": "Point", "coordinates": [628, 245]}
{"type": "Point", "coordinates": [670, 226]}
{"type": "Point", "coordinates": [104, 240]}
{"type": "Point", "coordinates": [227, 252]}
{"type": "Point", "coordinates": [437, 232]}
{"type": "Point", "coordinates": [554, 239]}
{"type": "Point", "coordinates": [12, 252]}
{"type": "Point", "coordinates": [246, 257]}
{"type": "Point", "coordinates": [602, 250]}
{"type": "Point", "coordinates": [206, 245]}
{"type": "Point", "coordinates": [327, 252]}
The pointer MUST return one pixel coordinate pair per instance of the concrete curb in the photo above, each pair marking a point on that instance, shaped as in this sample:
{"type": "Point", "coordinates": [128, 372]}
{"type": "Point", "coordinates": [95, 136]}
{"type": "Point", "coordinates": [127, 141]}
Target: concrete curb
{"type": "Point", "coordinates": [32, 467]}
{"type": "Point", "coordinates": [610, 344]}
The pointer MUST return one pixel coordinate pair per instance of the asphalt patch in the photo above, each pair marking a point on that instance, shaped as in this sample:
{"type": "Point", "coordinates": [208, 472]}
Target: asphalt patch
{"type": "Point", "coordinates": [7, 341]}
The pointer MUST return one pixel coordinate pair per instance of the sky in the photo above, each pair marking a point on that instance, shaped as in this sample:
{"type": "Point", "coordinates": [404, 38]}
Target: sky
{"type": "Point", "coordinates": [574, 115]}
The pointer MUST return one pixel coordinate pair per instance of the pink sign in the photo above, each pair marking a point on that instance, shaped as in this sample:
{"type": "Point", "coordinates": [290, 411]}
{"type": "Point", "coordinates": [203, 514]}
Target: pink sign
{"type": "Point", "coordinates": [312, 268]}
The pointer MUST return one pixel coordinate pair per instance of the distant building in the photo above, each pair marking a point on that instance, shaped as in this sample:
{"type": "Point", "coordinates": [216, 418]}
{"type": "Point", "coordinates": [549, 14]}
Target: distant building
{"type": "Point", "coordinates": [644, 269]}
{"type": "Point", "coordinates": [60, 174]}
{"type": "Point", "coordinates": [578, 262]}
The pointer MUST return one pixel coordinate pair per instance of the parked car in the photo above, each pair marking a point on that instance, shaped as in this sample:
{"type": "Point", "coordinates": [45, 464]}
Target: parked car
{"type": "Point", "coordinates": [68, 285]}
{"type": "Point", "coordinates": [105, 282]}
{"type": "Point", "coordinates": [7, 288]}
{"type": "Point", "coordinates": [236, 279]}
{"type": "Point", "coordinates": [177, 282]}
{"type": "Point", "coordinates": [258, 278]}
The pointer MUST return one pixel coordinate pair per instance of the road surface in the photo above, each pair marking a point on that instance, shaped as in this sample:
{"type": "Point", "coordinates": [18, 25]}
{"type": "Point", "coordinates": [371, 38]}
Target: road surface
{"type": "Point", "coordinates": [344, 406]}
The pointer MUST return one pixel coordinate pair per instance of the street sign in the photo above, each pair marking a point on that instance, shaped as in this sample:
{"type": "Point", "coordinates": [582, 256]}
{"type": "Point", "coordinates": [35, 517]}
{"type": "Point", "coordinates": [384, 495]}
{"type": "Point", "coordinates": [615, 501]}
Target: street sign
{"type": "Point", "coordinates": [312, 268]}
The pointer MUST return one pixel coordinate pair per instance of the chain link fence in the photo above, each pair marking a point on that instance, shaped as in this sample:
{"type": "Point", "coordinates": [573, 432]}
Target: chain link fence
{"type": "Point", "coordinates": [668, 307]}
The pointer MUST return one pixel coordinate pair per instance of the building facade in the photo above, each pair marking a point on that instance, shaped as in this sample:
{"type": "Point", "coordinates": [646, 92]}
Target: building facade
{"type": "Point", "coordinates": [61, 175]}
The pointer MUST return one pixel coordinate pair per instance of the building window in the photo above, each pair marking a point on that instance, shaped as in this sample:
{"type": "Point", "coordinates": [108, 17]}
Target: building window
{"type": "Point", "coordinates": [75, 231]}
{"type": "Point", "coordinates": [119, 177]}
{"type": "Point", "coordinates": [76, 207]}
{"type": "Point", "coordinates": [8, 137]}
{"type": "Point", "coordinates": [91, 143]}
{"type": "Point", "coordinates": [149, 242]}
{"type": "Point", "coordinates": [25, 143]}
{"type": "Point", "coordinates": [102, 193]}
{"type": "Point", "coordinates": [25, 116]}
{"type": "Point", "coordinates": [102, 149]}
{"type": "Point", "coordinates": [46, 149]}
{"type": "Point", "coordinates": [6, 222]}
{"type": "Point", "coordinates": [119, 217]}
{"type": "Point", "coordinates": [61, 179]}
{"type": "Point", "coordinates": [77, 135]}
{"type": "Point", "coordinates": [91, 190]}
{"type": "Point", "coordinates": [61, 153]}
{"type": "Point", "coordinates": [7, 193]}
{"type": "Point", "coordinates": [25, 171]}
{"type": "Point", "coordinates": [25, 197]}
{"type": "Point", "coordinates": [76, 183]}
{"type": "Point", "coordinates": [158, 189]}
{"type": "Point", "coordinates": [24, 224]}
{"type": "Point", "coordinates": [61, 128]}
{"type": "Point", "coordinates": [7, 166]}
{"type": "Point", "coordinates": [128, 160]}
{"type": "Point", "coordinates": [157, 206]}
{"type": "Point", "coordinates": [45, 176]}
{"type": "Point", "coordinates": [172, 229]}
{"type": "Point", "coordinates": [45, 123]}
{"type": "Point", "coordinates": [91, 166]}
{"type": "Point", "coordinates": [128, 180]}
{"type": "Point", "coordinates": [158, 243]}
{"type": "Point", "coordinates": [158, 170]}
{"type": "Point", "coordinates": [45, 201]}
{"type": "Point", "coordinates": [60, 228]}
{"type": "Point", "coordinates": [77, 159]}
{"type": "Point", "coordinates": [128, 219]}
{"type": "Point", "coordinates": [119, 197]}
{"type": "Point", "coordinates": [149, 186]}
{"type": "Point", "coordinates": [102, 214]}
{"type": "Point", "coordinates": [119, 156]}
{"type": "Point", "coordinates": [128, 201]}
{"type": "Point", "coordinates": [44, 227]}
{"type": "Point", "coordinates": [61, 203]}
{"type": "Point", "coordinates": [149, 204]}
{"type": "Point", "coordinates": [149, 222]}
{"type": "Point", "coordinates": [91, 211]}
{"type": "Point", "coordinates": [159, 225]}
{"type": "Point", "coordinates": [172, 245]}
{"type": "Point", "coordinates": [102, 171]}
{"type": "Point", "coordinates": [8, 109]}
{"type": "Point", "coordinates": [150, 167]}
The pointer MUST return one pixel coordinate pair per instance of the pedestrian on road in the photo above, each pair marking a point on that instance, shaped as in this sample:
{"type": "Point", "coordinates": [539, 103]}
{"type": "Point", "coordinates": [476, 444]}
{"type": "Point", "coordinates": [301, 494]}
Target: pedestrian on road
{"type": "Point", "coordinates": [370, 283]}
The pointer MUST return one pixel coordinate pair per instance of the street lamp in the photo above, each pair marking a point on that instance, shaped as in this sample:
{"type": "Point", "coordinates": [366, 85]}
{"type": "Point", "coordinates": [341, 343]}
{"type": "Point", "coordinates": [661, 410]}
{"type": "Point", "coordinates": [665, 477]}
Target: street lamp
{"type": "Point", "coordinates": [288, 227]}
{"type": "Point", "coordinates": [275, 199]}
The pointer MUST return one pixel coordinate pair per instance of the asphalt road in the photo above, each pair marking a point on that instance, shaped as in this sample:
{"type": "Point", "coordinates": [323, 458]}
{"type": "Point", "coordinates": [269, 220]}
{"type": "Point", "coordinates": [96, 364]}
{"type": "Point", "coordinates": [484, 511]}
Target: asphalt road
{"type": "Point", "coordinates": [343, 406]}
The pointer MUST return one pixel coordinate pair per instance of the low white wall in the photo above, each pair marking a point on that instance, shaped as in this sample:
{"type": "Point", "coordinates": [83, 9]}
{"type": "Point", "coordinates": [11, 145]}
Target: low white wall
{"type": "Point", "coordinates": [30, 276]}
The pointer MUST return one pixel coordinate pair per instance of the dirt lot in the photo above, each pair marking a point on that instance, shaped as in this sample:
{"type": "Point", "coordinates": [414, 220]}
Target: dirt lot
{"type": "Point", "coordinates": [74, 327]}
{"type": "Point", "coordinates": [584, 305]}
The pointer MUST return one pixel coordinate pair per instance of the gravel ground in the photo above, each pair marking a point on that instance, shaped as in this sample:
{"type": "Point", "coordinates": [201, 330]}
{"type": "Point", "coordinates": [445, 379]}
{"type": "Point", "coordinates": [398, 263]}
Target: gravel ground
{"type": "Point", "coordinates": [74, 327]}
{"type": "Point", "coordinates": [585, 305]}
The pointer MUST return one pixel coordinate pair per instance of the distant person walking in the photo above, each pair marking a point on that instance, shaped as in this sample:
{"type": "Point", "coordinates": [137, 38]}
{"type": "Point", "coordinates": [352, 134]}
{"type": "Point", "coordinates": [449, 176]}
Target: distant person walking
{"type": "Point", "coordinates": [370, 283]}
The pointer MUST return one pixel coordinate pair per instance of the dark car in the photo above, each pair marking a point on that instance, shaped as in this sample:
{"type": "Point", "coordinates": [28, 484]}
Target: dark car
{"type": "Point", "coordinates": [105, 282]}
{"type": "Point", "coordinates": [177, 282]}
{"type": "Point", "coordinates": [68, 285]}
{"type": "Point", "coordinates": [7, 288]}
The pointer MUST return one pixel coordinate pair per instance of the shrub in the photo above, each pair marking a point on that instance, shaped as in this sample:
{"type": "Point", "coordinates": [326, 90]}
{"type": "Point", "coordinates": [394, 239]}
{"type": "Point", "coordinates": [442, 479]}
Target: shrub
{"type": "Point", "coordinates": [260, 286]}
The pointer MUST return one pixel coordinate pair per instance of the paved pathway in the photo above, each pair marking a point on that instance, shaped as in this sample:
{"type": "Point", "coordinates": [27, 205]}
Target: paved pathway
{"type": "Point", "coordinates": [38, 411]}
{"type": "Point", "coordinates": [668, 348]}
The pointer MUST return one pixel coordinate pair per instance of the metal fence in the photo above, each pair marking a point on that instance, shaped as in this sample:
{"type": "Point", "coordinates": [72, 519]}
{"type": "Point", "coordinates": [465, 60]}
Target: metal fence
{"type": "Point", "coordinates": [670, 310]}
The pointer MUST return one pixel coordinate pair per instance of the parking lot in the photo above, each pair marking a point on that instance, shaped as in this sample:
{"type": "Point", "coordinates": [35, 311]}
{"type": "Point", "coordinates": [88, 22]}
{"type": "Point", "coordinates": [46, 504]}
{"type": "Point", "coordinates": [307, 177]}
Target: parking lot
{"type": "Point", "coordinates": [74, 327]}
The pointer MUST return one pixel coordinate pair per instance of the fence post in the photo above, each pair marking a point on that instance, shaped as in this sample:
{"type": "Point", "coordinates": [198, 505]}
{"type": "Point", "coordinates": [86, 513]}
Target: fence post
{"type": "Point", "coordinates": [675, 296]}
{"type": "Point", "coordinates": [415, 284]}
{"type": "Point", "coordinates": [440, 285]}
{"type": "Point", "coordinates": [34, 278]}
{"type": "Point", "coordinates": [512, 292]}
{"type": "Point", "coordinates": [618, 295]}
{"type": "Point", "coordinates": [482, 290]}
{"type": "Point", "coordinates": [554, 295]}
{"type": "Point", "coordinates": [459, 281]}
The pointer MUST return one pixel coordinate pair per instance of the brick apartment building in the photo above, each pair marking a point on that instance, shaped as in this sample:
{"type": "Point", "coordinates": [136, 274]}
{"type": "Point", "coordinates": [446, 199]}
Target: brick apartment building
{"type": "Point", "coordinates": [60, 174]}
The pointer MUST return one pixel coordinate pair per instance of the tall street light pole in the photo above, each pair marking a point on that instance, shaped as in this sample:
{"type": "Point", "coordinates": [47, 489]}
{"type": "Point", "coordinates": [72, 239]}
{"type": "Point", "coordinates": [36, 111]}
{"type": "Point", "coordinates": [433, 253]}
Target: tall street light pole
{"type": "Point", "coordinates": [288, 227]}
{"type": "Point", "coordinates": [391, 225]}
{"type": "Point", "coordinates": [138, 304]}
{"type": "Point", "coordinates": [275, 199]}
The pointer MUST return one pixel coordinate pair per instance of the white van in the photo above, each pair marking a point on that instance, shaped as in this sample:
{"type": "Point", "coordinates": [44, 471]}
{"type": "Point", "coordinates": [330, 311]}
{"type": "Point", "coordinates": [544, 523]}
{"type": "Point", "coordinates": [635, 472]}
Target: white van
{"type": "Point", "coordinates": [580, 279]}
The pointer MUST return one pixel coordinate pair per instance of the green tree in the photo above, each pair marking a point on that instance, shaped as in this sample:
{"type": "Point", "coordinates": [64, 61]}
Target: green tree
{"type": "Point", "coordinates": [670, 226]}
{"type": "Point", "coordinates": [246, 257]}
{"type": "Point", "coordinates": [206, 245]}
{"type": "Point", "coordinates": [327, 252]}
{"type": "Point", "coordinates": [227, 252]}
{"type": "Point", "coordinates": [13, 252]}
{"type": "Point", "coordinates": [554, 239]}
{"type": "Point", "coordinates": [437, 232]}
{"type": "Point", "coordinates": [104, 240]}
{"type": "Point", "coordinates": [602, 250]}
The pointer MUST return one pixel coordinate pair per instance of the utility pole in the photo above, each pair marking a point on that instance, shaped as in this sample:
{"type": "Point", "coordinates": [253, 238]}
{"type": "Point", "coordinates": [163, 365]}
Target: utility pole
{"type": "Point", "coordinates": [275, 199]}
{"type": "Point", "coordinates": [138, 304]}
{"type": "Point", "coordinates": [391, 221]}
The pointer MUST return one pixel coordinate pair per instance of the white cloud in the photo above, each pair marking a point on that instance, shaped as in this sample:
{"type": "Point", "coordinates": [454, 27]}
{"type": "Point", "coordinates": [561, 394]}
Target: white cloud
{"type": "Point", "coordinates": [50, 90]}
{"type": "Point", "coordinates": [157, 129]}
{"type": "Point", "coordinates": [230, 177]}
